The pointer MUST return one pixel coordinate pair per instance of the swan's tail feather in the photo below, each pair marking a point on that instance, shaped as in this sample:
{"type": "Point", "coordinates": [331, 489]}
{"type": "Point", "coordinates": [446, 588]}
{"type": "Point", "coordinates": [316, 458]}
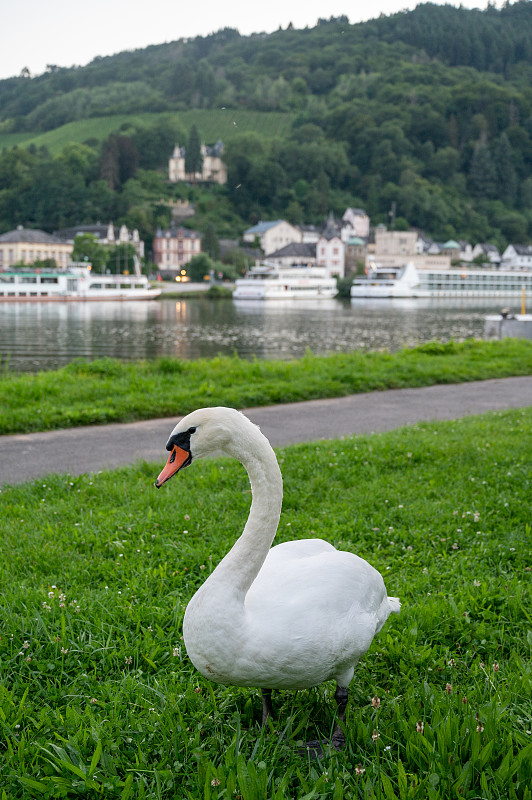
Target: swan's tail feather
{"type": "Point", "coordinates": [395, 605]}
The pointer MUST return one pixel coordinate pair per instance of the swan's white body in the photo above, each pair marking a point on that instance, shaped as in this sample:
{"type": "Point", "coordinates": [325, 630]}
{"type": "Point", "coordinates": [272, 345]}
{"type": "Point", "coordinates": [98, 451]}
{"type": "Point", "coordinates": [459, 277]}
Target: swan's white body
{"type": "Point", "coordinates": [291, 616]}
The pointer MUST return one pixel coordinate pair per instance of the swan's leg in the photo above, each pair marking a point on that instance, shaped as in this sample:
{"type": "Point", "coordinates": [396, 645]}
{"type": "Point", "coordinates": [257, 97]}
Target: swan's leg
{"type": "Point", "coordinates": [267, 708]}
{"type": "Point", "coordinates": [341, 696]}
{"type": "Point", "coordinates": [315, 748]}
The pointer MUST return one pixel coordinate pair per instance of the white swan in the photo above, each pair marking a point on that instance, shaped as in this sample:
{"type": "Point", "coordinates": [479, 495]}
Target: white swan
{"type": "Point", "coordinates": [291, 616]}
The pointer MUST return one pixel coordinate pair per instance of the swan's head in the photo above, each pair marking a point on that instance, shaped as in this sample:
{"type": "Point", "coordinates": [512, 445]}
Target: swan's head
{"type": "Point", "coordinates": [202, 433]}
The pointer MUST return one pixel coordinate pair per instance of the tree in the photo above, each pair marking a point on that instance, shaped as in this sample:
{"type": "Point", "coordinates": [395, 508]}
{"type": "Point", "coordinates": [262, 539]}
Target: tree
{"type": "Point", "coordinates": [86, 248]}
{"type": "Point", "coordinates": [211, 245]}
{"type": "Point", "coordinates": [482, 175]}
{"type": "Point", "coordinates": [121, 259]}
{"type": "Point", "coordinates": [199, 266]}
{"type": "Point", "coordinates": [506, 175]}
{"type": "Point", "coordinates": [193, 157]}
{"type": "Point", "coordinates": [119, 160]}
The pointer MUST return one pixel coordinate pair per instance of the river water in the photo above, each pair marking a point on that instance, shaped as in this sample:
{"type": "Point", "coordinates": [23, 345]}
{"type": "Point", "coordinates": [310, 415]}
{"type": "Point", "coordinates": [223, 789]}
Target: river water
{"type": "Point", "coordinates": [39, 336]}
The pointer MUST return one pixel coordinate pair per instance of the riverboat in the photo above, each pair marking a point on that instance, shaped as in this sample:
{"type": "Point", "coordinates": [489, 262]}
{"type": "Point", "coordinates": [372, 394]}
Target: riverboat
{"type": "Point", "coordinates": [271, 282]}
{"type": "Point", "coordinates": [74, 283]}
{"type": "Point", "coordinates": [409, 281]}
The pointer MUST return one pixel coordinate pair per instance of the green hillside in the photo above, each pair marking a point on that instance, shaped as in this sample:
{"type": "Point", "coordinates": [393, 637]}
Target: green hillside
{"type": "Point", "coordinates": [214, 124]}
{"type": "Point", "coordinates": [428, 112]}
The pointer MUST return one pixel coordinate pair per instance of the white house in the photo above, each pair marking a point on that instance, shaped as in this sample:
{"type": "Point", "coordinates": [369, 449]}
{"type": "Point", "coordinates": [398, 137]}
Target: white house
{"type": "Point", "coordinates": [466, 250]}
{"type": "Point", "coordinates": [309, 234]}
{"type": "Point", "coordinates": [273, 235]}
{"type": "Point", "coordinates": [489, 251]}
{"type": "Point", "coordinates": [330, 250]}
{"type": "Point", "coordinates": [359, 221]}
{"type": "Point", "coordinates": [213, 169]}
{"type": "Point", "coordinates": [517, 256]}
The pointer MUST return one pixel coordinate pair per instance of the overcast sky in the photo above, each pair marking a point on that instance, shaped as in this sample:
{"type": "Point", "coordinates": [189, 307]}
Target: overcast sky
{"type": "Point", "coordinates": [68, 32]}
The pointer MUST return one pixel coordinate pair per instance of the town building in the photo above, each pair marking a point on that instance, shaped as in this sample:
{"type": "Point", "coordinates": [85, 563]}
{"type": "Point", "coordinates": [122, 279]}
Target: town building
{"type": "Point", "coordinates": [174, 247]}
{"type": "Point", "coordinates": [393, 248]}
{"type": "Point", "coordinates": [309, 234]}
{"type": "Point", "coordinates": [213, 169]}
{"type": "Point", "coordinates": [294, 254]}
{"type": "Point", "coordinates": [355, 254]}
{"type": "Point", "coordinates": [356, 222]}
{"type": "Point", "coordinates": [27, 245]}
{"type": "Point", "coordinates": [489, 252]}
{"type": "Point", "coordinates": [272, 235]}
{"type": "Point", "coordinates": [517, 256]}
{"type": "Point", "coordinates": [330, 250]}
{"type": "Point", "coordinates": [452, 249]}
{"type": "Point", "coordinates": [106, 235]}
{"type": "Point", "coordinates": [466, 250]}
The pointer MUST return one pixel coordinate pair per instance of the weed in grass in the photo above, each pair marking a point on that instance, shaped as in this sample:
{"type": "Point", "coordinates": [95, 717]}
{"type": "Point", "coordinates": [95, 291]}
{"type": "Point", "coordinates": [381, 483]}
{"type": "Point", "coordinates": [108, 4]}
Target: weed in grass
{"type": "Point", "coordinates": [98, 698]}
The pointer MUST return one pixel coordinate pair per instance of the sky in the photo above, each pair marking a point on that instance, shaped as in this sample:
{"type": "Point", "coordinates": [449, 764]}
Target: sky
{"type": "Point", "coordinates": [69, 32]}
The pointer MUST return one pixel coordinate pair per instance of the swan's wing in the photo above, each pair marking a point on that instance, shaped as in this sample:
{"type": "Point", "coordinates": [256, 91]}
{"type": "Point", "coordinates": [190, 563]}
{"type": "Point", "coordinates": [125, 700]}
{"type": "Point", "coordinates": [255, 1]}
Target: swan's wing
{"type": "Point", "coordinates": [310, 579]}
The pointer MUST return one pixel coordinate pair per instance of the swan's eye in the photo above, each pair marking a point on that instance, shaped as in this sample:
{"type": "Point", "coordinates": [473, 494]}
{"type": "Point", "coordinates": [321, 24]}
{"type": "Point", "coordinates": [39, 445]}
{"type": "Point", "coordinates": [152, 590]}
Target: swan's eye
{"type": "Point", "coordinates": [191, 430]}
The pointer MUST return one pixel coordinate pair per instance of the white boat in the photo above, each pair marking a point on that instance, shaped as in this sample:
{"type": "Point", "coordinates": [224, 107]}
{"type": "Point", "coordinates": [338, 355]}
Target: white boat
{"type": "Point", "coordinates": [271, 282]}
{"type": "Point", "coordinates": [73, 283]}
{"type": "Point", "coordinates": [409, 281]}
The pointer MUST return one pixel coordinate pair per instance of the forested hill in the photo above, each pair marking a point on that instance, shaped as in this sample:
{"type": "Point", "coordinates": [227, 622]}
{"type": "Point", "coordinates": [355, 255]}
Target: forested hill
{"type": "Point", "coordinates": [489, 40]}
{"type": "Point", "coordinates": [430, 110]}
{"type": "Point", "coordinates": [276, 71]}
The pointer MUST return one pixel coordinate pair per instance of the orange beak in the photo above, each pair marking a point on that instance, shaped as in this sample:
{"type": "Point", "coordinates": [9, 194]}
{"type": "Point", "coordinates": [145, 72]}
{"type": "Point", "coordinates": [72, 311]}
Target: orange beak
{"type": "Point", "coordinates": [178, 458]}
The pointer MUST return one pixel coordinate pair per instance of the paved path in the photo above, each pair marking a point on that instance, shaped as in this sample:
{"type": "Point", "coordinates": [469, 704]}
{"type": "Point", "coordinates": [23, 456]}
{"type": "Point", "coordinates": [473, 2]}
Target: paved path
{"type": "Point", "coordinates": [87, 449]}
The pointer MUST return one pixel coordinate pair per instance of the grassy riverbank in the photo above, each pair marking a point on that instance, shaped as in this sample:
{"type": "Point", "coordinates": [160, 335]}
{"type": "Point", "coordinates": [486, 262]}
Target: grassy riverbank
{"type": "Point", "coordinates": [98, 698]}
{"type": "Point", "coordinates": [108, 390]}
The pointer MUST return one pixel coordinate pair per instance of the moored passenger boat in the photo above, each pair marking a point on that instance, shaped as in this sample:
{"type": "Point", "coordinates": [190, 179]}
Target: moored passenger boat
{"type": "Point", "coordinates": [73, 283]}
{"type": "Point", "coordinates": [409, 281]}
{"type": "Point", "coordinates": [270, 282]}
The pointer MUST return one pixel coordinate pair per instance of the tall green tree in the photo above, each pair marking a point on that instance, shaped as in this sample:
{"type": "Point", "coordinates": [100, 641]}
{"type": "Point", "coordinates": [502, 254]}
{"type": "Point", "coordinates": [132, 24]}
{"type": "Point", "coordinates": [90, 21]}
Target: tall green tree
{"type": "Point", "coordinates": [193, 157]}
{"type": "Point", "coordinates": [210, 244]}
{"type": "Point", "coordinates": [482, 173]}
{"type": "Point", "coordinates": [506, 175]}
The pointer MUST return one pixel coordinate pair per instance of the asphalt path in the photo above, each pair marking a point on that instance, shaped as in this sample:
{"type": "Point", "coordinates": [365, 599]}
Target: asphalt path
{"type": "Point", "coordinates": [88, 449]}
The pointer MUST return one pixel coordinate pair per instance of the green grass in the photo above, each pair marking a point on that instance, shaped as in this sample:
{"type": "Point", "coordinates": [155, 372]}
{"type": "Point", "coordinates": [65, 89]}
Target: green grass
{"type": "Point", "coordinates": [212, 124]}
{"type": "Point", "coordinates": [108, 390]}
{"type": "Point", "coordinates": [98, 698]}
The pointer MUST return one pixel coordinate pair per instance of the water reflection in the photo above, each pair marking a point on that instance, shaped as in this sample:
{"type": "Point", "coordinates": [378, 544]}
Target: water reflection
{"type": "Point", "coordinates": [46, 335]}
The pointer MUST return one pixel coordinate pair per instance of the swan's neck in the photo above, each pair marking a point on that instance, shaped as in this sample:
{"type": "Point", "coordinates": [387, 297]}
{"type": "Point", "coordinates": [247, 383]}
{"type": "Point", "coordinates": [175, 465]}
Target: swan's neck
{"type": "Point", "coordinates": [241, 565]}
